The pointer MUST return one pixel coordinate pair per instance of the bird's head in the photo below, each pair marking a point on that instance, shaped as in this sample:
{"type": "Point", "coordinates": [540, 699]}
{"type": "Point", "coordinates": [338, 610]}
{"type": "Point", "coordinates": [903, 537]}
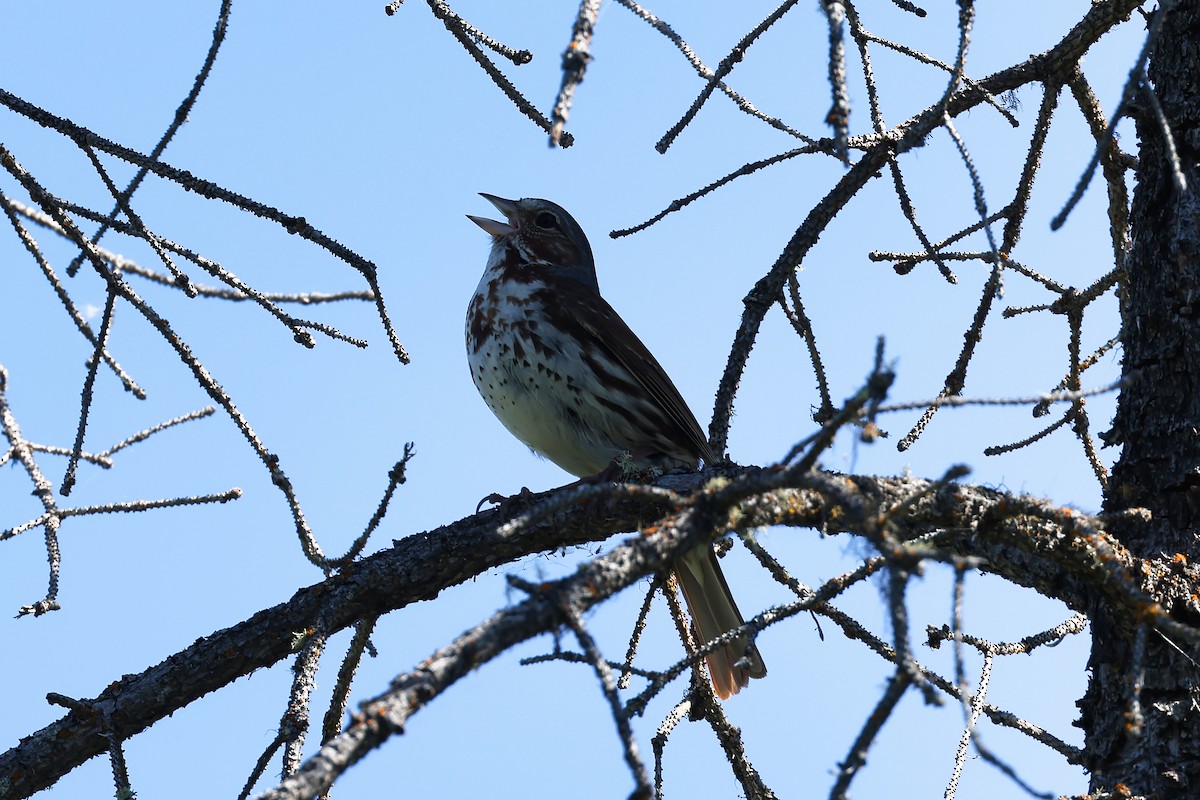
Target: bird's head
{"type": "Point", "coordinates": [544, 234]}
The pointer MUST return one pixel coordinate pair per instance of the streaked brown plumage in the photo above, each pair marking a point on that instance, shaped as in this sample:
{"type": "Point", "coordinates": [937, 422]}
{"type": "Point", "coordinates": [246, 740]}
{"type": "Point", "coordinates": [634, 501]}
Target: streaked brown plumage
{"type": "Point", "coordinates": [566, 376]}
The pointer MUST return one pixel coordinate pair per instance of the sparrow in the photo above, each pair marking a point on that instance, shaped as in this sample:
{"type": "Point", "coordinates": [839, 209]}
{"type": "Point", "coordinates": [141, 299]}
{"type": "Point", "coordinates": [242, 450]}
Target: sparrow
{"type": "Point", "coordinates": [564, 373]}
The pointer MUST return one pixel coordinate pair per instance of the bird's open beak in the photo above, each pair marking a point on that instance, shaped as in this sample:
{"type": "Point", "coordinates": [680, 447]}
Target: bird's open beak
{"type": "Point", "coordinates": [506, 207]}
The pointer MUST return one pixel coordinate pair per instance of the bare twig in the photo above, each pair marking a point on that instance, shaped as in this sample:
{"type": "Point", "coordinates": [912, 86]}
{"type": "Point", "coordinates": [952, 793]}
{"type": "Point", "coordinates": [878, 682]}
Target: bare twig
{"type": "Point", "coordinates": [181, 114]}
{"type": "Point", "coordinates": [467, 35]}
{"type": "Point", "coordinates": [574, 64]}
{"type": "Point", "coordinates": [1131, 90]}
{"type": "Point", "coordinates": [742, 103]}
{"type": "Point", "coordinates": [857, 757]}
{"type": "Point", "coordinates": [724, 68]}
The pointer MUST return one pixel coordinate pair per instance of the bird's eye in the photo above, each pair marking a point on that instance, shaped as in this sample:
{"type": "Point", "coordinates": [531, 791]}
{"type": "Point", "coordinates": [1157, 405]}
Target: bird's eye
{"type": "Point", "coordinates": [546, 221]}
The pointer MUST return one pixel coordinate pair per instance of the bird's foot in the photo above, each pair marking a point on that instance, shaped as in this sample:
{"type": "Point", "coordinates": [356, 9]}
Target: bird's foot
{"type": "Point", "coordinates": [508, 504]}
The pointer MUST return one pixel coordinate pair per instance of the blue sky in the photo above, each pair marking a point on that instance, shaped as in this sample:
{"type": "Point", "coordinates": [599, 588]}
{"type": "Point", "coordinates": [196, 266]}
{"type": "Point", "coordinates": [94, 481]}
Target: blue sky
{"type": "Point", "coordinates": [379, 131]}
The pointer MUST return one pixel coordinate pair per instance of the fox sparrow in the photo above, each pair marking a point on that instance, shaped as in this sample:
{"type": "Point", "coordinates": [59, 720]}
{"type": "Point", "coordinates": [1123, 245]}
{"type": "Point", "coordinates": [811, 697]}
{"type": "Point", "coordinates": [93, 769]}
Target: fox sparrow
{"type": "Point", "coordinates": [568, 378]}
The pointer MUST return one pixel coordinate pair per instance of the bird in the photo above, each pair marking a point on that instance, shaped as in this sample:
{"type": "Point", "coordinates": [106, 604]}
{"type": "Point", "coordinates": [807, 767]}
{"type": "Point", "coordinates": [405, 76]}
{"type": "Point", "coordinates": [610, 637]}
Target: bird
{"type": "Point", "coordinates": [567, 377]}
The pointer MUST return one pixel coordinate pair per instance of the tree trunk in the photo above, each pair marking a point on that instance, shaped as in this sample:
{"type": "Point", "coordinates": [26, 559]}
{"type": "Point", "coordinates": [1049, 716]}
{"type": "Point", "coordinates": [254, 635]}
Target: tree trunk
{"type": "Point", "coordinates": [1158, 425]}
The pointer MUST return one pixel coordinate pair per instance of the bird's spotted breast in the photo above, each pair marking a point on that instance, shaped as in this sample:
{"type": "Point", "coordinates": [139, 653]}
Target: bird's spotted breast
{"type": "Point", "coordinates": [500, 301]}
{"type": "Point", "coordinates": [552, 385]}
{"type": "Point", "coordinates": [529, 371]}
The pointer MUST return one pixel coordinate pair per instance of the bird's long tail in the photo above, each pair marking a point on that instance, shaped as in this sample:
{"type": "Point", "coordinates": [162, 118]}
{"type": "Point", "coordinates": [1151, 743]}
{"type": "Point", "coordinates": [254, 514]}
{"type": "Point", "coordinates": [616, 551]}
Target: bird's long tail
{"type": "Point", "coordinates": [714, 613]}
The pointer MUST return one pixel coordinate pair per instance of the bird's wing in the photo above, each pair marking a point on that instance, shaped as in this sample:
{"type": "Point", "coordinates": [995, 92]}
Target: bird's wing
{"type": "Point", "coordinates": [609, 332]}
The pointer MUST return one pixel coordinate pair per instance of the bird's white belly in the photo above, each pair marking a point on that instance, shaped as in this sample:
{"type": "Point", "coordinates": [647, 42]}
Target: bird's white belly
{"type": "Point", "coordinates": [543, 395]}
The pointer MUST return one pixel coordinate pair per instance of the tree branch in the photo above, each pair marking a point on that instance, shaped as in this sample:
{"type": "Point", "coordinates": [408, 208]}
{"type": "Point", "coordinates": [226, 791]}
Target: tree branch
{"type": "Point", "coordinates": [1029, 542]}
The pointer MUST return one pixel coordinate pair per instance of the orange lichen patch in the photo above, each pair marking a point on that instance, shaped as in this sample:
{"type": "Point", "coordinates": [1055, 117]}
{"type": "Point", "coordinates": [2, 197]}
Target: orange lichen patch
{"type": "Point", "coordinates": [1150, 610]}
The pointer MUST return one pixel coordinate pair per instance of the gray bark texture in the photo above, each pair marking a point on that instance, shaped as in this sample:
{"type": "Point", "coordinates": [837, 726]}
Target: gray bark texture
{"type": "Point", "coordinates": [1158, 426]}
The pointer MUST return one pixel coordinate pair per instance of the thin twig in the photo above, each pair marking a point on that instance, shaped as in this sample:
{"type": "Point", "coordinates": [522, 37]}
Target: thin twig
{"type": "Point", "coordinates": [1132, 88]}
{"type": "Point", "coordinates": [838, 117]}
{"type": "Point", "coordinates": [181, 114]}
{"type": "Point", "coordinates": [574, 65]}
{"type": "Point", "coordinates": [856, 759]}
{"type": "Point", "coordinates": [724, 68]}
{"type": "Point", "coordinates": [703, 71]}
{"type": "Point", "coordinates": [466, 36]}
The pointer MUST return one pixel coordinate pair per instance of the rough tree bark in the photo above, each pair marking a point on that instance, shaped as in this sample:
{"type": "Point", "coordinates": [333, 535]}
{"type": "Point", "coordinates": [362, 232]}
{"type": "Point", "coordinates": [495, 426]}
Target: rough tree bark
{"type": "Point", "coordinates": [1158, 425]}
